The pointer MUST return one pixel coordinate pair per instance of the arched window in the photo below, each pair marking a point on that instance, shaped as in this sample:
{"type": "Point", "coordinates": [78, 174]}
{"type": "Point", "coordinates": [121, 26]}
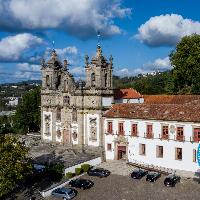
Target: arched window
{"type": "Point", "coordinates": [66, 100]}
{"type": "Point", "coordinates": [74, 115]}
{"type": "Point", "coordinates": [106, 77]}
{"type": "Point", "coordinates": [47, 81]}
{"type": "Point", "coordinates": [93, 79]}
{"type": "Point", "coordinates": [58, 82]}
{"type": "Point", "coordinates": [58, 114]}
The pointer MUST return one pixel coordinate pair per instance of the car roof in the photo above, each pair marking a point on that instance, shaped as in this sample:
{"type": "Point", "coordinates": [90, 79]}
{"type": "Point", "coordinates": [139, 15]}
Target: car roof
{"type": "Point", "coordinates": [152, 173]}
{"type": "Point", "coordinates": [64, 189]}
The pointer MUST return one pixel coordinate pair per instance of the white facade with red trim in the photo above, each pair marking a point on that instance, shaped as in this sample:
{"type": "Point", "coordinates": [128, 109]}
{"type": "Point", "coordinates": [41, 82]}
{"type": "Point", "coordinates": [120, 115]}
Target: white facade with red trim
{"type": "Point", "coordinates": [172, 157]}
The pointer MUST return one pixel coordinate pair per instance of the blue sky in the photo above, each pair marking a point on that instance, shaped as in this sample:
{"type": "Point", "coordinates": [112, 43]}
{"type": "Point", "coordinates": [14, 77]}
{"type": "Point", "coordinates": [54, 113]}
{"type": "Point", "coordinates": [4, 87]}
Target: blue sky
{"type": "Point", "coordinates": [139, 34]}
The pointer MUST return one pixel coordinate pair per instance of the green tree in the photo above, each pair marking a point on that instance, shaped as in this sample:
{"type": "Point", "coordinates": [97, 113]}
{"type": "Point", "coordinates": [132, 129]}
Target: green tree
{"type": "Point", "coordinates": [13, 163]}
{"type": "Point", "coordinates": [185, 60]}
{"type": "Point", "coordinates": [27, 116]}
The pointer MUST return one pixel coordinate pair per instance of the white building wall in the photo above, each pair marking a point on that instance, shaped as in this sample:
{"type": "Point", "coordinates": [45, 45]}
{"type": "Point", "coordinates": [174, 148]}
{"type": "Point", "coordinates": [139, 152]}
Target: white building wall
{"type": "Point", "coordinates": [168, 160]}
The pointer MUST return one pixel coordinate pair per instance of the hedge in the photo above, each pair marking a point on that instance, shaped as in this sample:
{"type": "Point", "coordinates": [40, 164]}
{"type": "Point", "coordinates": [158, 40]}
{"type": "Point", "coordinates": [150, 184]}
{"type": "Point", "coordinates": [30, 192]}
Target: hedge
{"type": "Point", "coordinates": [85, 167]}
{"type": "Point", "coordinates": [78, 171]}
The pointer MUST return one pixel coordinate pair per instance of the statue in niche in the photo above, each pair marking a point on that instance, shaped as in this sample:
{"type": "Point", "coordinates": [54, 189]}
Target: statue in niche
{"type": "Point", "coordinates": [93, 128]}
{"type": "Point", "coordinates": [58, 133]}
{"type": "Point", "coordinates": [74, 135]}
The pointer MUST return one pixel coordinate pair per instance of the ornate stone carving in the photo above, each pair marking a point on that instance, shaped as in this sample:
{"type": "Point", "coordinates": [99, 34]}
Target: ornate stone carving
{"type": "Point", "coordinates": [47, 122]}
{"type": "Point", "coordinates": [75, 135]}
{"type": "Point", "coordinates": [93, 128]}
{"type": "Point", "coordinates": [121, 139]}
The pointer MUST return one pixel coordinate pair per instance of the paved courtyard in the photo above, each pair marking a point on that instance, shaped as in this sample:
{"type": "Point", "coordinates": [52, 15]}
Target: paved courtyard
{"type": "Point", "coordinates": [119, 186]}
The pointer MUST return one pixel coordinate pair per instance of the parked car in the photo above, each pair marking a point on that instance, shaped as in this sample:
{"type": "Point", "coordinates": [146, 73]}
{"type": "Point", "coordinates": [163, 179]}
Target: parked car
{"type": "Point", "coordinates": [153, 176]}
{"type": "Point", "coordinates": [81, 183]}
{"type": "Point", "coordinates": [100, 172]}
{"type": "Point", "coordinates": [64, 193]}
{"type": "Point", "coordinates": [171, 180]}
{"type": "Point", "coordinates": [138, 173]}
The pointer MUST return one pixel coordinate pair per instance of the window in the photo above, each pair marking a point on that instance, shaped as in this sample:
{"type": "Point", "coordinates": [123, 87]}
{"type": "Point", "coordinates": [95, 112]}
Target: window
{"type": "Point", "coordinates": [47, 81]}
{"type": "Point", "coordinates": [58, 114]}
{"type": "Point", "coordinates": [110, 128]}
{"type": "Point", "coordinates": [149, 131]}
{"type": "Point", "coordinates": [65, 86]}
{"type": "Point", "coordinates": [159, 151]}
{"type": "Point", "coordinates": [179, 135]}
{"type": "Point", "coordinates": [194, 155]}
{"type": "Point", "coordinates": [165, 132]}
{"type": "Point", "coordinates": [93, 79]}
{"type": "Point", "coordinates": [196, 136]}
{"type": "Point", "coordinates": [142, 149]}
{"type": "Point", "coordinates": [58, 81]}
{"type": "Point", "coordinates": [106, 79]}
{"type": "Point", "coordinates": [109, 147]}
{"type": "Point", "coordinates": [178, 153]}
{"type": "Point", "coordinates": [121, 128]}
{"type": "Point", "coordinates": [134, 130]}
{"type": "Point", "coordinates": [74, 115]}
{"type": "Point", "coordinates": [66, 100]}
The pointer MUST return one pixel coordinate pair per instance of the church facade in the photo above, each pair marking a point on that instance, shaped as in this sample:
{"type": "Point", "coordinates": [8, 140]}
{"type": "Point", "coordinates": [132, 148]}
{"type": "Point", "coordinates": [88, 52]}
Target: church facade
{"type": "Point", "coordinates": [71, 112]}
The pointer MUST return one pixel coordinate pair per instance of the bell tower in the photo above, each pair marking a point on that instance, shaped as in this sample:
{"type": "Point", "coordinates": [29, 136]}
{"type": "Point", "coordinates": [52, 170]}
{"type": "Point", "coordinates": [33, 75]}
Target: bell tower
{"type": "Point", "coordinates": [98, 71]}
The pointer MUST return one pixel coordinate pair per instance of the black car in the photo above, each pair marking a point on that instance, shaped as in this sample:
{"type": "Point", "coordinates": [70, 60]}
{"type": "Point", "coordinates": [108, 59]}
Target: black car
{"type": "Point", "coordinates": [81, 183]}
{"type": "Point", "coordinates": [138, 173]}
{"type": "Point", "coordinates": [100, 172]}
{"type": "Point", "coordinates": [153, 176]}
{"type": "Point", "coordinates": [171, 180]}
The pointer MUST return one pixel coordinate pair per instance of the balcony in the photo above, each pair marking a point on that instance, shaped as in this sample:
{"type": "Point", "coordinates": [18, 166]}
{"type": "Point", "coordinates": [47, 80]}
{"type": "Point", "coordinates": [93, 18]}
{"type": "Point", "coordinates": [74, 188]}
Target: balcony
{"type": "Point", "coordinates": [164, 137]}
{"type": "Point", "coordinates": [109, 132]}
{"type": "Point", "coordinates": [121, 133]}
{"type": "Point", "coordinates": [194, 139]}
{"type": "Point", "coordinates": [148, 135]}
{"type": "Point", "coordinates": [180, 138]}
{"type": "Point", "coordinates": [135, 134]}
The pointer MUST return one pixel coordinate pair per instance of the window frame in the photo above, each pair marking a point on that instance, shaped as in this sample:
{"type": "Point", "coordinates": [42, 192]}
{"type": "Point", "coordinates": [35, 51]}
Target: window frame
{"type": "Point", "coordinates": [142, 149]}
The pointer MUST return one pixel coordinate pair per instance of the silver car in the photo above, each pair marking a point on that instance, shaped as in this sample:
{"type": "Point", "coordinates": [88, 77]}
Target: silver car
{"type": "Point", "coordinates": [64, 193]}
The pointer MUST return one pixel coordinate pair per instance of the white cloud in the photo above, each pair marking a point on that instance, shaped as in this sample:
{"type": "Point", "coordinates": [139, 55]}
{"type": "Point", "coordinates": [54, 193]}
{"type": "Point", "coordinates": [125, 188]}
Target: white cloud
{"type": "Point", "coordinates": [78, 71]}
{"type": "Point", "coordinates": [12, 47]}
{"type": "Point", "coordinates": [26, 67]}
{"type": "Point", "coordinates": [158, 65]}
{"type": "Point", "coordinates": [81, 18]}
{"type": "Point", "coordinates": [166, 30]}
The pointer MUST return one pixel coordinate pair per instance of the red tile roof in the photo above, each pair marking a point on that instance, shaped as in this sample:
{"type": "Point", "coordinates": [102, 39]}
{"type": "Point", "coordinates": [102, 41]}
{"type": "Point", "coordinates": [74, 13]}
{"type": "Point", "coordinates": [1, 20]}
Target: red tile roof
{"type": "Point", "coordinates": [171, 99]}
{"type": "Point", "coordinates": [129, 93]}
{"type": "Point", "coordinates": [166, 112]}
